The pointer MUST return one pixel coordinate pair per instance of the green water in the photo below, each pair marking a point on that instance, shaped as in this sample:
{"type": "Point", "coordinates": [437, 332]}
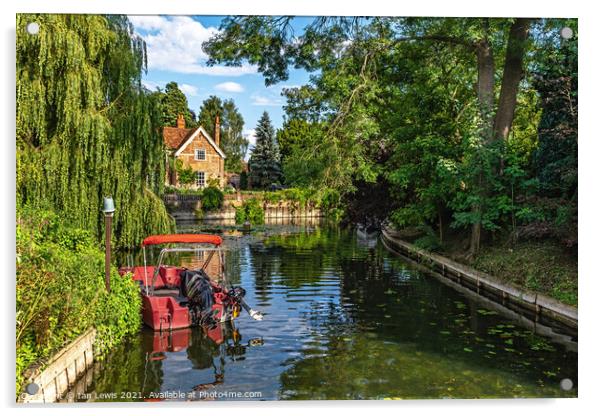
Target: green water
{"type": "Point", "coordinates": [344, 319]}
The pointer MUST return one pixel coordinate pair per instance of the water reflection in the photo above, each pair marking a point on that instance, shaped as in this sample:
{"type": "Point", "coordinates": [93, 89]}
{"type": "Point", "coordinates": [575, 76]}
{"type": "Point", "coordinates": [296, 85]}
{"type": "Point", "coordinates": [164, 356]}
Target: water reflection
{"type": "Point", "coordinates": [344, 320]}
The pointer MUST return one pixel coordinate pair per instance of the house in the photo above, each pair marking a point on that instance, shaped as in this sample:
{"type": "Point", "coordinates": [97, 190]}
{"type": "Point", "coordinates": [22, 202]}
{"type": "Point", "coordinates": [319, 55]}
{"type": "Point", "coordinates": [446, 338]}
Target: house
{"type": "Point", "coordinates": [196, 149]}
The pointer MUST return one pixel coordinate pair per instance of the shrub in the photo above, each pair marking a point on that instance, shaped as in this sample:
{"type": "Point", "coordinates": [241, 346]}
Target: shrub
{"type": "Point", "coordinates": [60, 290]}
{"type": "Point", "coordinates": [186, 176]}
{"type": "Point", "coordinates": [251, 210]}
{"type": "Point", "coordinates": [212, 198]}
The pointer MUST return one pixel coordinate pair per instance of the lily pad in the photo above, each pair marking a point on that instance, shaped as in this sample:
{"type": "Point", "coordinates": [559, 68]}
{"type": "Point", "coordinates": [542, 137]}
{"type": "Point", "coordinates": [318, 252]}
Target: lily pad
{"type": "Point", "coordinates": [486, 312]}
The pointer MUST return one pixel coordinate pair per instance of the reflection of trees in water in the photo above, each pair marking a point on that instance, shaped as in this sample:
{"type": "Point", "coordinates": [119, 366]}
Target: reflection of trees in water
{"type": "Point", "coordinates": [233, 259]}
{"type": "Point", "coordinates": [137, 365]}
{"type": "Point", "coordinates": [384, 302]}
{"type": "Point", "coordinates": [129, 368]}
{"type": "Point", "coordinates": [264, 265]}
{"type": "Point", "coordinates": [295, 259]}
{"type": "Point", "coordinates": [212, 349]}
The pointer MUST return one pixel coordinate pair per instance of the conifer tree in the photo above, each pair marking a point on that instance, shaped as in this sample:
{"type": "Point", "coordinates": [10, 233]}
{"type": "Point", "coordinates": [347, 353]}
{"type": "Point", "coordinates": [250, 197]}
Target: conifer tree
{"type": "Point", "coordinates": [264, 164]}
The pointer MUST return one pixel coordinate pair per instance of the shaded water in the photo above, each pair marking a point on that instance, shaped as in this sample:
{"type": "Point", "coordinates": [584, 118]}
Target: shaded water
{"type": "Point", "coordinates": [344, 319]}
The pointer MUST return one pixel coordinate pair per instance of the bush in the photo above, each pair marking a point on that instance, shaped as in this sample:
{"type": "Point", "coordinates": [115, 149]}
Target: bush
{"type": "Point", "coordinates": [186, 176]}
{"type": "Point", "coordinates": [251, 210]}
{"type": "Point", "coordinates": [60, 290]}
{"type": "Point", "coordinates": [212, 198]}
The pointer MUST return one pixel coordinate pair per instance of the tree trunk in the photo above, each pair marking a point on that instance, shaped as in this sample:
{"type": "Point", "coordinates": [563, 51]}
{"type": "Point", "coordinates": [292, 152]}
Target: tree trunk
{"type": "Point", "coordinates": [485, 92]}
{"type": "Point", "coordinates": [513, 73]}
{"type": "Point", "coordinates": [499, 127]}
{"type": "Point", "coordinates": [485, 86]}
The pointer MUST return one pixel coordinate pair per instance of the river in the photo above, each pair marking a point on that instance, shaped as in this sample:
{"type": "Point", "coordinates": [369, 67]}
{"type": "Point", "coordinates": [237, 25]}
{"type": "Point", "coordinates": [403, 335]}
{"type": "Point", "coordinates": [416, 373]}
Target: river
{"type": "Point", "coordinates": [344, 319]}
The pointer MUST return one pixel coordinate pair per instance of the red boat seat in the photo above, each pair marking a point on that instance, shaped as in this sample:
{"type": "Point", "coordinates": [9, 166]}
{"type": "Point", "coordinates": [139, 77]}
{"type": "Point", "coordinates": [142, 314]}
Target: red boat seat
{"type": "Point", "coordinates": [163, 313]}
{"type": "Point", "coordinates": [168, 276]}
{"type": "Point", "coordinates": [138, 272]}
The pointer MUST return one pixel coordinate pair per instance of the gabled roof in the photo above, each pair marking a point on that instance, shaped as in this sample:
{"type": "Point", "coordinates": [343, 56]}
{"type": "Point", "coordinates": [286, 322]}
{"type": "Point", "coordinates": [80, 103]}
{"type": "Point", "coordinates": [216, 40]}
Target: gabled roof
{"type": "Point", "coordinates": [173, 137]}
{"type": "Point", "coordinates": [189, 138]}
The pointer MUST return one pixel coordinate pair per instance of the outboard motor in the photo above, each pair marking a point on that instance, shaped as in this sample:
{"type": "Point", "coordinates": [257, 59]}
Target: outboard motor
{"type": "Point", "coordinates": [196, 286]}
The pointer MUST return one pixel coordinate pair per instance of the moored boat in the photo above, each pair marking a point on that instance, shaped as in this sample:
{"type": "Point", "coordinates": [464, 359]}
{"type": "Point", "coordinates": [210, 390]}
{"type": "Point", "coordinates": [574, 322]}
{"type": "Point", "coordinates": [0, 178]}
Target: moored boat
{"type": "Point", "coordinates": [175, 297]}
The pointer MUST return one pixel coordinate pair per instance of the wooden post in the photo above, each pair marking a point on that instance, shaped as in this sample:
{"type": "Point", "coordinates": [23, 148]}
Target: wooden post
{"type": "Point", "coordinates": [108, 221]}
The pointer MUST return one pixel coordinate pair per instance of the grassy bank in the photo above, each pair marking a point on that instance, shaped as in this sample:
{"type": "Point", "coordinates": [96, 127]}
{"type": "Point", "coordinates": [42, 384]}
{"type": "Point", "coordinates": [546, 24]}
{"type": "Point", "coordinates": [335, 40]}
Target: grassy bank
{"type": "Point", "coordinates": [541, 266]}
{"type": "Point", "coordinates": [60, 290]}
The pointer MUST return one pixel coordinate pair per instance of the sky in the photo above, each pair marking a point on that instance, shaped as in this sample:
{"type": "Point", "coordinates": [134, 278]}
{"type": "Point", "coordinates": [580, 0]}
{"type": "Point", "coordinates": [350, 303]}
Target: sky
{"type": "Point", "coordinates": [174, 48]}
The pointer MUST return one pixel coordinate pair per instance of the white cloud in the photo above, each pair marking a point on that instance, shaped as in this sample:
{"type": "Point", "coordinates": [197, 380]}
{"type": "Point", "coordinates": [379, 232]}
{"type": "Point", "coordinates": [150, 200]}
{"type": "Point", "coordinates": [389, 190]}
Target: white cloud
{"type": "Point", "coordinates": [229, 87]}
{"type": "Point", "coordinates": [262, 100]}
{"type": "Point", "coordinates": [151, 85]}
{"type": "Point", "coordinates": [148, 22]}
{"type": "Point", "coordinates": [175, 44]}
{"type": "Point", "coordinates": [189, 90]}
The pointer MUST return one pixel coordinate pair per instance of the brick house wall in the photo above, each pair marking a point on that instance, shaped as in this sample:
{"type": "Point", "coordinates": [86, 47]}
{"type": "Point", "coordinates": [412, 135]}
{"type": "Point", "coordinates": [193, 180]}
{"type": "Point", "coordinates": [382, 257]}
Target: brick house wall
{"type": "Point", "coordinates": [213, 165]}
{"type": "Point", "coordinates": [183, 144]}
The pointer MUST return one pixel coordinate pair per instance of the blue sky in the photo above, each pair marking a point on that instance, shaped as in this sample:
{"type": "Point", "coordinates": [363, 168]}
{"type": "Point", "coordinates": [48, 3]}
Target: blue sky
{"type": "Point", "coordinates": [175, 54]}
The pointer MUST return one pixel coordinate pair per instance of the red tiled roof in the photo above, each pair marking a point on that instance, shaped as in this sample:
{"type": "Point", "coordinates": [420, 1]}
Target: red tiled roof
{"type": "Point", "coordinates": [173, 137]}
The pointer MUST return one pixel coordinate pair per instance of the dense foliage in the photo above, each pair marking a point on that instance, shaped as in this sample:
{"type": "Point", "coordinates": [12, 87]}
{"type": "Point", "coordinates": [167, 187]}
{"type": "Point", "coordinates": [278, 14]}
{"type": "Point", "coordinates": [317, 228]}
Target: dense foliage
{"type": "Point", "coordinates": [86, 128]}
{"type": "Point", "coordinates": [60, 290]}
{"type": "Point", "coordinates": [186, 175]}
{"type": "Point", "coordinates": [212, 198]}
{"type": "Point", "coordinates": [232, 141]}
{"type": "Point", "coordinates": [437, 119]}
{"type": "Point", "coordinates": [264, 163]}
{"type": "Point", "coordinates": [251, 210]}
{"type": "Point", "coordinates": [555, 159]}
{"type": "Point", "coordinates": [173, 104]}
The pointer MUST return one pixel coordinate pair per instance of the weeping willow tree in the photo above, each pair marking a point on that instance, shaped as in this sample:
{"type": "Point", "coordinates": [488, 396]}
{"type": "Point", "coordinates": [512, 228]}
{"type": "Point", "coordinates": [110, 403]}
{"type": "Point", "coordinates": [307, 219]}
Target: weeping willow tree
{"type": "Point", "coordinates": [86, 128]}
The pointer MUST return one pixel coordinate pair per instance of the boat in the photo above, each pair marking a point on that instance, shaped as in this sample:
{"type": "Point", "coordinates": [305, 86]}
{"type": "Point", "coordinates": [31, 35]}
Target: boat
{"type": "Point", "coordinates": [175, 297]}
{"type": "Point", "coordinates": [367, 235]}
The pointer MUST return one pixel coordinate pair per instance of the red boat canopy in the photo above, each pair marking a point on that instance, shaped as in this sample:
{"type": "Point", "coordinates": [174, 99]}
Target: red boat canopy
{"type": "Point", "coordinates": [182, 238]}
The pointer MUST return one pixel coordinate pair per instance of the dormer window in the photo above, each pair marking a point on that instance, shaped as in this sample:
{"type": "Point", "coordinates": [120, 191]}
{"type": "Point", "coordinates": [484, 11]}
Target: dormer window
{"type": "Point", "coordinates": [199, 154]}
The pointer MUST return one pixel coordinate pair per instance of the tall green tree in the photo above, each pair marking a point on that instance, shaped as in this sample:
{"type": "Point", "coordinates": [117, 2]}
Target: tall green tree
{"type": "Point", "coordinates": [232, 141]}
{"type": "Point", "coordinates": [174, 103]}
{"type": "Point", "coordinates": [293, 133]}
{"type": "Point", "coordinates": [86, 128]}
{"type": "Point", "coordinates": [264, 164]}
{"type": "Point", "coordinates": [351, 54]}
{"type": "Point", "coordinates": [210, 108]}
{"type": "Point", "coordinates": [555, 160]}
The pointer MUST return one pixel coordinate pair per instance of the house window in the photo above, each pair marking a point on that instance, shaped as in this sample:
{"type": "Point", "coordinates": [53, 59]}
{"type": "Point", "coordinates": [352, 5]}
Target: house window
{"type": "Point", "coordinates": [199, 154]}
{"type": "Point", "coordinates": [200, 179]}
